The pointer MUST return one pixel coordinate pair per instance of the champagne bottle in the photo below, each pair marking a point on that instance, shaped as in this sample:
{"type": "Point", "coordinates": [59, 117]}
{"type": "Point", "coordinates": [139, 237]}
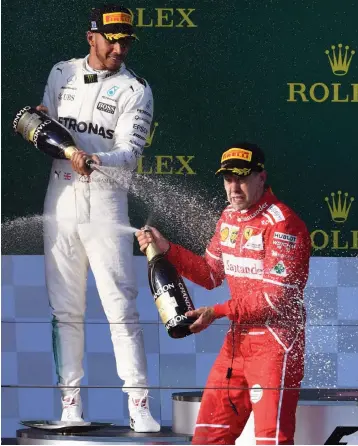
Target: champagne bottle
{"type": "Point", "coordinates": [170, 293]}
{"type": "Point", "coordinates": [45, 133]}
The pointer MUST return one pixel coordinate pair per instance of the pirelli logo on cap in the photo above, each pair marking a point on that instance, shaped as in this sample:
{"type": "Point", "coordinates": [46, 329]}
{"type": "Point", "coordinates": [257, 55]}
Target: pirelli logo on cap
{"type": "Point", "coordinates": [236, 153]}
{"type": "Point", "coordinates": [117, 17]}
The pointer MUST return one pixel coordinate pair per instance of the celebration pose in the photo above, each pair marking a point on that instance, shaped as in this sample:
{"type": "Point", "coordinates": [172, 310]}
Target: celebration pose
{"type": "Point", "coordinates": [262, 248]}
{"type": "Point", "coordinates": [108, 110]}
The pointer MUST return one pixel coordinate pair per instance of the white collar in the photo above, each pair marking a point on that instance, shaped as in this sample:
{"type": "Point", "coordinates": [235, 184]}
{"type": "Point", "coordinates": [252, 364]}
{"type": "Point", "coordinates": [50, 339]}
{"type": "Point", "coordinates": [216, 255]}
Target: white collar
{"type": "Point", "coordinates": [102, 74]}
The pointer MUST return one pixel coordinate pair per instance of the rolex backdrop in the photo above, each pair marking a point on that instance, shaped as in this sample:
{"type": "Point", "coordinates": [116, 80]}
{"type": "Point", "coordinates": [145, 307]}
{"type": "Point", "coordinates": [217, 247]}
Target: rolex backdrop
{"type": "Point", "coordinates": [280, 74]}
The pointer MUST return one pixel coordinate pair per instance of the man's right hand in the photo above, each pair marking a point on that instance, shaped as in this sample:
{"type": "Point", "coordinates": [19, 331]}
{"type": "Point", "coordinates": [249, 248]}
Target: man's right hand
{"type": "Point", "coordinates": [153, 235]}
{"type": "Point", "coordinates": [42, 108]}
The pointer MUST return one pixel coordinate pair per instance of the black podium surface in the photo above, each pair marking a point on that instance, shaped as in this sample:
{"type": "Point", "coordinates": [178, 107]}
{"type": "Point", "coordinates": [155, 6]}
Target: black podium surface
{"type": "Point", "coordinates": [114, 435]}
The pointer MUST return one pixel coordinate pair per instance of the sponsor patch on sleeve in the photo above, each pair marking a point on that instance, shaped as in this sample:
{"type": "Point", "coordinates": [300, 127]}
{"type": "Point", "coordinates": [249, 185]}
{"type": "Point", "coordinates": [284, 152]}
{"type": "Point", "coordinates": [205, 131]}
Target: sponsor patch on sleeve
{"type": "Point", "coordinates": [279, 269]}
{"type": "Point", "coordinates": [276, 213]}
{"type": "Point", "coordinates": [283, 237]}
{"type": "Point", "coordinates": [228, 235]}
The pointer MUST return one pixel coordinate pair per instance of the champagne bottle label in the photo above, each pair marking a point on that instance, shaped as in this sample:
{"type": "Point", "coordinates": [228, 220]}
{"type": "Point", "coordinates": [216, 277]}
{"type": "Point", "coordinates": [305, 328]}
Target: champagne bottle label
{"type": "Point", "coordinates": [37, 130]}
{"type": "Point", "coordinates": [30, 125]}
{"type": "Point", "coordinates": [177, 319]}
{"type": "Point", "coordinates": [166, 305]}
{"type": "Point", "coordinates": [27, 126]}
{"type": "Point", "coordinates": [170, 310]}
{"type": "Point", "coordinates": [186, 298]}
{"type": "Point", "coordinates": [170, 294]}
{"type": "Point", "coordinates": [18, 116]}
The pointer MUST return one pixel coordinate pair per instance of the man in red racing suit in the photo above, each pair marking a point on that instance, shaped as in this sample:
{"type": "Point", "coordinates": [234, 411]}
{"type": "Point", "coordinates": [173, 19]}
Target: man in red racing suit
{"type": "Point", "coordinates": [262, 248]}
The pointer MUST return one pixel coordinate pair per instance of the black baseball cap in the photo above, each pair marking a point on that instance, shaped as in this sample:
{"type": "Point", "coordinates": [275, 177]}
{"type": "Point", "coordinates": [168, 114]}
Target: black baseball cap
{"type": "Point", "coordinates": [113, 22]}
{"type": "Point", "coordinates": [242, 159]}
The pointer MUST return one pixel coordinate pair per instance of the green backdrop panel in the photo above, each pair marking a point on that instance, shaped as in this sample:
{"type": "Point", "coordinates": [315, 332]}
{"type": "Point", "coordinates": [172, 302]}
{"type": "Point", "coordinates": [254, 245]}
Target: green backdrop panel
{"type": "Point", "coordinates": [220, 72]}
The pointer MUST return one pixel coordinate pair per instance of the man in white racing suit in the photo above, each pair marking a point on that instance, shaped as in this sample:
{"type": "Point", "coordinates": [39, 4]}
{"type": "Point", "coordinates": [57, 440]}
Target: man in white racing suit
{"type": "Point", "coordinates": [108, 110]}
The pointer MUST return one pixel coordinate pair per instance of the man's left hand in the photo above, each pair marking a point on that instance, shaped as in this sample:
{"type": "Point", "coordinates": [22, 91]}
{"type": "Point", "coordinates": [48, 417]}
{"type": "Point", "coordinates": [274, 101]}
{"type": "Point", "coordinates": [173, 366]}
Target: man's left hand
{"type": "Point", "coordinates": [78, 160]}
{"type": "Point", "coordinates": [205, 316]}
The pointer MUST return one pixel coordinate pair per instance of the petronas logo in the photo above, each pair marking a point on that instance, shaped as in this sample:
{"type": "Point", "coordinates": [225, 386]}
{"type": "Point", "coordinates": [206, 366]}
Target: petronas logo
{"type": "Point", "coordinates": [112, 90]}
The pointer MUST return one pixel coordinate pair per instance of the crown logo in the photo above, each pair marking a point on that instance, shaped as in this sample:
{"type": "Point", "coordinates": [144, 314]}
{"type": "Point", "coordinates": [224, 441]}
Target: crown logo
{"type": "Point", "coordinates": [340, 207]}
{"type": "Point", "coordinates": [340, 63]}
{"type": "Point", "coordinates": [149, 140]}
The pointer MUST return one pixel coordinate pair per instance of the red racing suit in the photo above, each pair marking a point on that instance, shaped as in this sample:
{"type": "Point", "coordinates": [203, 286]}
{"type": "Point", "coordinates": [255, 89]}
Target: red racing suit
{"type": "Point", "coordinates": [264, 255]}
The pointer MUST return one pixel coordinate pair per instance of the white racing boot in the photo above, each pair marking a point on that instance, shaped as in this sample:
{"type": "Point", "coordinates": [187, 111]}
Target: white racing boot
{"type": "Point", "coordinates": [141, 419]}
{"type": "Point", "coordinates": [72, 407]}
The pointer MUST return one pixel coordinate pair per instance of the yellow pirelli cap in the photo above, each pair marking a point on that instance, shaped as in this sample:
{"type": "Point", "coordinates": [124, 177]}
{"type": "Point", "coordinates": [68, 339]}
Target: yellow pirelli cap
{"type": "Point", "coordinates": [242, 159]}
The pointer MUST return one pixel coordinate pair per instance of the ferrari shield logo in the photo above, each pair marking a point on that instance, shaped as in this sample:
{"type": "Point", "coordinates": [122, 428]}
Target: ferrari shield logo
{"type": "Point", "coordinates": [248, 233]}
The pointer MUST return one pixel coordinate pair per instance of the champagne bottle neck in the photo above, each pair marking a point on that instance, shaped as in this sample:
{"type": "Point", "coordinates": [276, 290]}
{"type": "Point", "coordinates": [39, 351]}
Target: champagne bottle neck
{"type": "Point", "coordinates": [152, 251]}
{"type": "Point", "coordinates": [69, 151]}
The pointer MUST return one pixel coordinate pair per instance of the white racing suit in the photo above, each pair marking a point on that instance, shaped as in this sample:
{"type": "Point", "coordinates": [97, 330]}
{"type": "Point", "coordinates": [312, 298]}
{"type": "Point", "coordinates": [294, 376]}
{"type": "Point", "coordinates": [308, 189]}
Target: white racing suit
{"type": "Point", "coordinates": [108, 114]}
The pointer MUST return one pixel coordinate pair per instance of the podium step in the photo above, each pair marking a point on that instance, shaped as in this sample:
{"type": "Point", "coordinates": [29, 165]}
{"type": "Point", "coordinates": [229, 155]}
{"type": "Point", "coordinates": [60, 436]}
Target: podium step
{"type": "Point", "coordinates": [110, 435]}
